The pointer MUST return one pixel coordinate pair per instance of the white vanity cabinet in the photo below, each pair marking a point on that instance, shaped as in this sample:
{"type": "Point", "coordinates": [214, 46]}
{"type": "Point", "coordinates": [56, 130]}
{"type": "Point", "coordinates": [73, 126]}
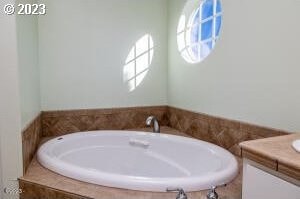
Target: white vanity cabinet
{"type": "Point", "coordinates": [260, 182]}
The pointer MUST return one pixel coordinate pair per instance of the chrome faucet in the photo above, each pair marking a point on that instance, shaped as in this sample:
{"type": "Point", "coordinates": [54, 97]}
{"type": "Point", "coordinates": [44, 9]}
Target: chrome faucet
{"type": "Point", "coordinates": [212, 193]}
{"type": "Point", "coordinates": [156, 127]}
{"type": "Point", "coordinates": [181, 194]}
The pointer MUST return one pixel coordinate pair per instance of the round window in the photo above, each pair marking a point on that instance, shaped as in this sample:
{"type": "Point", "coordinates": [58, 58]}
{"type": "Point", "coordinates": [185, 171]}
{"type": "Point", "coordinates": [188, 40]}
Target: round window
{"type": "Point", "coordinates": [199, 29]}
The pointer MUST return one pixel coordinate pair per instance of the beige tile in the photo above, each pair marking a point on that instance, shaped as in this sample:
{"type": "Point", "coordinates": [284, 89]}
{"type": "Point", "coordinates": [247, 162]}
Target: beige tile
{"type": "Point", "coordinates": [50, 183]}
{"type": "Point", "coordinates": [31, 136]}
{"type": "Point", "coordinates": [220, 131]}
{"type": "Point", "coordinates": [56, 123]}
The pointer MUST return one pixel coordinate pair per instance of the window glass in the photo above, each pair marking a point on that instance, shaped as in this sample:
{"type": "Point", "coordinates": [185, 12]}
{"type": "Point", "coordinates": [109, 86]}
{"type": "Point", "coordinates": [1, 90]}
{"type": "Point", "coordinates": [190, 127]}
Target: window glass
{"type": "Point", "coordinates": [197, 34]}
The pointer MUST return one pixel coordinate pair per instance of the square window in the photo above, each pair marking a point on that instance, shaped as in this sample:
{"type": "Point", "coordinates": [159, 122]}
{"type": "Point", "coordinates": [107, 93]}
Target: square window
{"type": "Point", "coordinates": [219, 8]}
{"type": "Point", "coordinates": [207, 9]}
{"type": "Point", "coordinates": [206, 30]}
{"type": "Point", "coordinates": [181, 24]}
{"type": "Point", "coordinates": [206, 49]}
{"type": "Point", "coordinates": [196, 52]}
{"type": "Point", "coordinates": [195, 49]}
{"type": "Point", "coordinates": [218, 25]}
{"type": "Point", "coordinates": [197, 15]}
{"type": "Point", "coordinates": [180, 41]}
{"type": "Point", "coordinates": [185, 54]}
{"type": "Point", "coordinates": [195, 37]}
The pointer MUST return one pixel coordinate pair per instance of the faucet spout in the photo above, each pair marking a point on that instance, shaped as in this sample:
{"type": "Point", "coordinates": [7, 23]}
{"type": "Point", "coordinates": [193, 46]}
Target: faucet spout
{"type": "Point", "coordinates": [156, 127]}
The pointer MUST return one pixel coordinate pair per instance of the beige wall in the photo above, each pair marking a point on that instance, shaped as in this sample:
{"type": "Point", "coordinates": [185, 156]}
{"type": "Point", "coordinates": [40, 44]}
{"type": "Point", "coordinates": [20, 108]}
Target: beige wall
{"type": "Point", "coordinates": [83, 47]}
{"type": "Point", "coordinates": [10, 114]}
{"type": "Point", "coordinates": [253, 73]}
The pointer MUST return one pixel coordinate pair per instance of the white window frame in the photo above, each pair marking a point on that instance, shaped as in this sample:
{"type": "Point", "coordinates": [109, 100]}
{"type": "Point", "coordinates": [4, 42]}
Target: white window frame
{"type": "Point", "coordinates": [189, 26]}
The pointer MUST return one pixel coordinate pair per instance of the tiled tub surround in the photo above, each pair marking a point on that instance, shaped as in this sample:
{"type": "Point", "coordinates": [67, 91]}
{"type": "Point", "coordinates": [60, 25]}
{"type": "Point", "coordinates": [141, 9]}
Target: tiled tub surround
{"type": "Point", "coordinates": [31, 137]}
{"type": "Point", "coordinates": [223, 132]}
{"type": "Point", "coordinates": [41, 183]}
{"type": "Point", "coordinates": [275, 153]}
{"type": "Point", "coordinates": [56, 123]}
{"type": "Point", "coordinates": [220, 131]}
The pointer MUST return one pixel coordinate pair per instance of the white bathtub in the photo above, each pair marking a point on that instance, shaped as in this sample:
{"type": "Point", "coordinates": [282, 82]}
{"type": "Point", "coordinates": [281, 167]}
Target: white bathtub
{"type": "Point", "coordinates": [138, 160]}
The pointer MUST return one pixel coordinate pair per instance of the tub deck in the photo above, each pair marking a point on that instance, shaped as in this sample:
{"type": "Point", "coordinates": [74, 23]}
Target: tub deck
{"type": "Point", "coordinates": [39, 182]}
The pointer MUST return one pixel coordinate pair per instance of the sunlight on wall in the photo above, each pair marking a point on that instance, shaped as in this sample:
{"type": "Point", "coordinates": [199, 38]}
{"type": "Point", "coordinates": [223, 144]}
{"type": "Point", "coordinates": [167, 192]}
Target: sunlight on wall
{"type": "Point", "coordinates": [138, 62]}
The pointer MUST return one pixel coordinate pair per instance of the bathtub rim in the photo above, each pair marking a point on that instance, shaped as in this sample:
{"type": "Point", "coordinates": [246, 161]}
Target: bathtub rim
{"type": "Point", "coordinates": [153, 184]}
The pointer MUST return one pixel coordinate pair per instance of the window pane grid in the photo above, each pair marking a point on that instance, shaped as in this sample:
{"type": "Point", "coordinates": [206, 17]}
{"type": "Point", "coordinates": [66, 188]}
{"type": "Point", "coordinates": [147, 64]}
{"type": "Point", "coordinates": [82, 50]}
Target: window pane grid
{"type": "Point", "coordinates": [200, 31]}
{"type": "Point", "coordinates": [207, 19]}
{"type": "Point", "coordinates": [197, 38]}
{"type": "Point", "coordinates": [214, 21]}
{"type": "Point", "coordinates": [201, 43]}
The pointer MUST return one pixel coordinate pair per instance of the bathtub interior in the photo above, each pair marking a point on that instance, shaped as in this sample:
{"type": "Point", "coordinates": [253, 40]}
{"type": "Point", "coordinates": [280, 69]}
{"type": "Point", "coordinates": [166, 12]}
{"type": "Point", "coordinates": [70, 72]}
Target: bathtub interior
{"type": "Point", "coordinates": [154, 155]}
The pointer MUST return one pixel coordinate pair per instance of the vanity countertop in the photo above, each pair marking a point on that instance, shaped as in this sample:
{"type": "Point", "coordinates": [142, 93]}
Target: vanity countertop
{"type": "Point", "coordinates": [276, 153]}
